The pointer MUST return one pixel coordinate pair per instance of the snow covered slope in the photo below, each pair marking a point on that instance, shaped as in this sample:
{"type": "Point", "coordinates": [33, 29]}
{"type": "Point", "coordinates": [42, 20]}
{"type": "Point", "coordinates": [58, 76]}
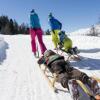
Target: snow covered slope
{"type": "Point", "coordinates": [20, 76]}
{"type": "Point", "coordinates": [86, 31]}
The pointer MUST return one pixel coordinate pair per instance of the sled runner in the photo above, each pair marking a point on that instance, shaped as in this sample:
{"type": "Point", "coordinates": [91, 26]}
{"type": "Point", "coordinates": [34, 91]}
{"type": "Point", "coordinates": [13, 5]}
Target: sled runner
{"type": "Point", "coordinates": [51, 83]}
{"type": "Point", "coordinates": [71, 56]}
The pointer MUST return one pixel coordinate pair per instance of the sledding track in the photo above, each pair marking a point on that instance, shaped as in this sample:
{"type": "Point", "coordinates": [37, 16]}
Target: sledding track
{"type": "Point", "coordinates": [21, 78]}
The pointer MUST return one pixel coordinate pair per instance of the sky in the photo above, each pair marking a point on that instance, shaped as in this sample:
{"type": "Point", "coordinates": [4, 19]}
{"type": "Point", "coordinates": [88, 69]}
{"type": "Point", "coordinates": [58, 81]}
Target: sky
{"type": "Point", "coordinates": [73, 14]}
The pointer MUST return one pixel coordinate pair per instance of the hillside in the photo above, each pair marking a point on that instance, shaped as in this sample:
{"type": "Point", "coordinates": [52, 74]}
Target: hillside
{"type": "Point", "coordinates": [20, 76]}
{"type": "Point", "coordinates": [86, 31]}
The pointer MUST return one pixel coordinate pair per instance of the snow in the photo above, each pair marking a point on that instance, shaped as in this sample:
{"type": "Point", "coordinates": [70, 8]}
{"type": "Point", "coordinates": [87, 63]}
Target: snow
{"type": "Point", "coordinates": [20, 76]}
{"type": "Point", "coordinates": [81, 31]}
{"type": "Point", "coordinates": [3, 47]}
{"type": "Point", "coordinates": [86, 31]}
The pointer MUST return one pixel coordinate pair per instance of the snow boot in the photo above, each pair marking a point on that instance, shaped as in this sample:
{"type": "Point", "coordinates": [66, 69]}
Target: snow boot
{"type": "Point", "coordinates": [70, 51]}
{"type": "Point", "coordinates": [76, 51]}
{"type": "Point", "coordinates": [36, 54]}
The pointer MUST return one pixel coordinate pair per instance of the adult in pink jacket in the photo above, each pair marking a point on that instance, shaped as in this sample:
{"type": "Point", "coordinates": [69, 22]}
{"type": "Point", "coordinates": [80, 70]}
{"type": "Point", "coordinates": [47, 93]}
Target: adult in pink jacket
{"type": "Point", "coordinates": [35, 30]}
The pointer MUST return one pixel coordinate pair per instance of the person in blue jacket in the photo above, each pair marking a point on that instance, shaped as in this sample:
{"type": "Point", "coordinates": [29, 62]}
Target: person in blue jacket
{"type": "Point", "coordinates": [55, 29]}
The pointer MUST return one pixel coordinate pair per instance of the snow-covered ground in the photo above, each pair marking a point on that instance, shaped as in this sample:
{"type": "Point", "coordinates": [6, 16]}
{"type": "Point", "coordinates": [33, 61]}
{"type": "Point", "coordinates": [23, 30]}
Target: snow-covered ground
{"type": "Point", "coordinates": [20, 76]}
{"type": "Point", "coordinates": [86, 31]}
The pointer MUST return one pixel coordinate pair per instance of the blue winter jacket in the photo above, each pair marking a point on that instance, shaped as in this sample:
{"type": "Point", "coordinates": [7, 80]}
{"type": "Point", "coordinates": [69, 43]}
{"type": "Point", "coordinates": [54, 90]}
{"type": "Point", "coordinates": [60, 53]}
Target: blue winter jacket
{"type": "Point", "coordinates": [34, 21]}
{"type": "Point", "coordinates": [55, 24]}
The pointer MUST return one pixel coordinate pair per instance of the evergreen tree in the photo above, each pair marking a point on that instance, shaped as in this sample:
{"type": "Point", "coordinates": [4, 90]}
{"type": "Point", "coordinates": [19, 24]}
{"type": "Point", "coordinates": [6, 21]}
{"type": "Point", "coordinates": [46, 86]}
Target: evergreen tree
{"type": "Point", "coordinates": [7, 29]}
{"type": "Point", "coordinates": [11, 27]}
{"type": "Point", "coordinates": [15, 24]}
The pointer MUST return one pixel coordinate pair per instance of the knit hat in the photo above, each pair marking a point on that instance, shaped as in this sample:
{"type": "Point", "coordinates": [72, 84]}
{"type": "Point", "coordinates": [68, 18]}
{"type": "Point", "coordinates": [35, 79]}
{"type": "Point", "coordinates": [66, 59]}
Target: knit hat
{"type": "Point", "coordinates": [50, 14]}
{"type": "Point", "coordinates": [32, 11]}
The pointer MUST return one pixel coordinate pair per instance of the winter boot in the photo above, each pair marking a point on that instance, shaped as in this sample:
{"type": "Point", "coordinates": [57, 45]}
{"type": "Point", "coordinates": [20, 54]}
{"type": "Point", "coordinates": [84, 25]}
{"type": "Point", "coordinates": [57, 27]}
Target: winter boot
{"type": "Point", "coordinates": [73, 88]}
{"type": "Point", "coordinates": [60, 45]}
{"type": "Point", "coordinates": [35, 54]}
{"type": "Point", "coordinates": [70, 51]}
{"type": "Point", "coordinates": [76, 51]}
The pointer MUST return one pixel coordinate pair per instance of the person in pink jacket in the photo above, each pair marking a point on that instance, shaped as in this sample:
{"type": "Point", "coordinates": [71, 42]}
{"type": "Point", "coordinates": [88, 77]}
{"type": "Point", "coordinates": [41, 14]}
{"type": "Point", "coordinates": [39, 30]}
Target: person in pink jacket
{"type": "Point", "coordinates": [35, 30]}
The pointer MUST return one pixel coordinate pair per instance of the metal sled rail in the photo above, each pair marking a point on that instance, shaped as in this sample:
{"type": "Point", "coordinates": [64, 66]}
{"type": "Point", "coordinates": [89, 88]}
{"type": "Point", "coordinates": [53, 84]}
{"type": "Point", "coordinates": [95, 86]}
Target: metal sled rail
{"type": "Point", "coordinates": [51, 84]}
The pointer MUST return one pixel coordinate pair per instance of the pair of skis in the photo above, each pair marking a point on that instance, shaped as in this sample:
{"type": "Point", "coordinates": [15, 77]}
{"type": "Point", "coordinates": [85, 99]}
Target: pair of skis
{"type": "Point", "coordinates": [52, 83]}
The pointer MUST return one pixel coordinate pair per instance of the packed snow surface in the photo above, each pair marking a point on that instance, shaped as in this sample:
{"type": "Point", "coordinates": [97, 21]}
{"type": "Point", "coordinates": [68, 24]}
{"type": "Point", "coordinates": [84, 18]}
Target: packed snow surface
{"type": "Point", "coordinates": [20, 76]}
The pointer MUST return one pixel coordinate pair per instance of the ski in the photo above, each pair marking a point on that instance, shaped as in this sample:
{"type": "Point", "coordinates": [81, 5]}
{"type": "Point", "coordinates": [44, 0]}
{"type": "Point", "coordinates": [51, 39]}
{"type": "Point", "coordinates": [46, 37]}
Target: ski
{"type": "Point", "coordinates": [86, 90]}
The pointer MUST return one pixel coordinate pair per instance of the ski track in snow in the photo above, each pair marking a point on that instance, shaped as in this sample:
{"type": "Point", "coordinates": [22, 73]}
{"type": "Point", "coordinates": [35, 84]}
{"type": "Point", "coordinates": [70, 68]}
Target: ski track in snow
{"type": "Point", "coordinates": [21, 77]}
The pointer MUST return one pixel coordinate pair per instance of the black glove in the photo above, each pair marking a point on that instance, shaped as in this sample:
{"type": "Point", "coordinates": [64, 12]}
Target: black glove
{"type": "Point", "coordinates": [60, 45]}
{"type": "Point", "coordinates": [41, 60]}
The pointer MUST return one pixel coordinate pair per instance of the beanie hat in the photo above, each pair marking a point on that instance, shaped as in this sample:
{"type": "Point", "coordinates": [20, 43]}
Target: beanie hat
{"type": "Point", "coordinates": [32, 11]}
{"type": "Point", "coordinates": [50, 14]}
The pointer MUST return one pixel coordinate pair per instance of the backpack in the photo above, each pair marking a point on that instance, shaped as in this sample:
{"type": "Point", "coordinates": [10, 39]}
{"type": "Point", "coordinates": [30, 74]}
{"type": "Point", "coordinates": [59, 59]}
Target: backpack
{"type": "Point", "coordinates": [62, 36]}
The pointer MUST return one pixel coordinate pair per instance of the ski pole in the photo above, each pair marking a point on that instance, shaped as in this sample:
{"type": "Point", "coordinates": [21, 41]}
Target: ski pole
{"type": "Point", "coordinates": [37, 50]}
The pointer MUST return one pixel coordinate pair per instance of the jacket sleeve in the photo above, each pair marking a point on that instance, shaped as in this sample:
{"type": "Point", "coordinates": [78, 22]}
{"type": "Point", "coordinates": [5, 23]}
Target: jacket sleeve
{"type": "Point", "coordinates": [31, 21]}
{"type": "Point", "coordinates": [60, 24]}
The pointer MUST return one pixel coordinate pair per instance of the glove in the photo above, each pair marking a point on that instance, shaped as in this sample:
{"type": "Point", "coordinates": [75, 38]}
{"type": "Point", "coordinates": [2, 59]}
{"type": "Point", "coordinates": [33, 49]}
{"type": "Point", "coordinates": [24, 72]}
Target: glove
{"type": "Point", "coordinates": [60, 45]}
{"type": "Point", "coordinates": [41, 60]}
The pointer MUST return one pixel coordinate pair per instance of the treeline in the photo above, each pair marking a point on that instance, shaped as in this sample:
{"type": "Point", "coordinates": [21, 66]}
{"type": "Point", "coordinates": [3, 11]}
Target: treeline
{"type": "Point", "coordinates": [94, 30]}
{"type": "Point", "coordinates": [11, 27]}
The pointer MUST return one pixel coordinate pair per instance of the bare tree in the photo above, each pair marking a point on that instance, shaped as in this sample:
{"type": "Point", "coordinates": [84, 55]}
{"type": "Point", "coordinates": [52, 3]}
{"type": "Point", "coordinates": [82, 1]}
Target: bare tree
{"type": "Point", "coordinates": [93, 31]}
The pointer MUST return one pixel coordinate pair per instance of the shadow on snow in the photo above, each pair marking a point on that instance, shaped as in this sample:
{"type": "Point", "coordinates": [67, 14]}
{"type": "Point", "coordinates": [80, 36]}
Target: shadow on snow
{"type": "Point", "coordinates": [87, 63]}
{"type": "Point", "coordinates": [3, 47]}
{"type": "Point", "coordinates": [90, 50]}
